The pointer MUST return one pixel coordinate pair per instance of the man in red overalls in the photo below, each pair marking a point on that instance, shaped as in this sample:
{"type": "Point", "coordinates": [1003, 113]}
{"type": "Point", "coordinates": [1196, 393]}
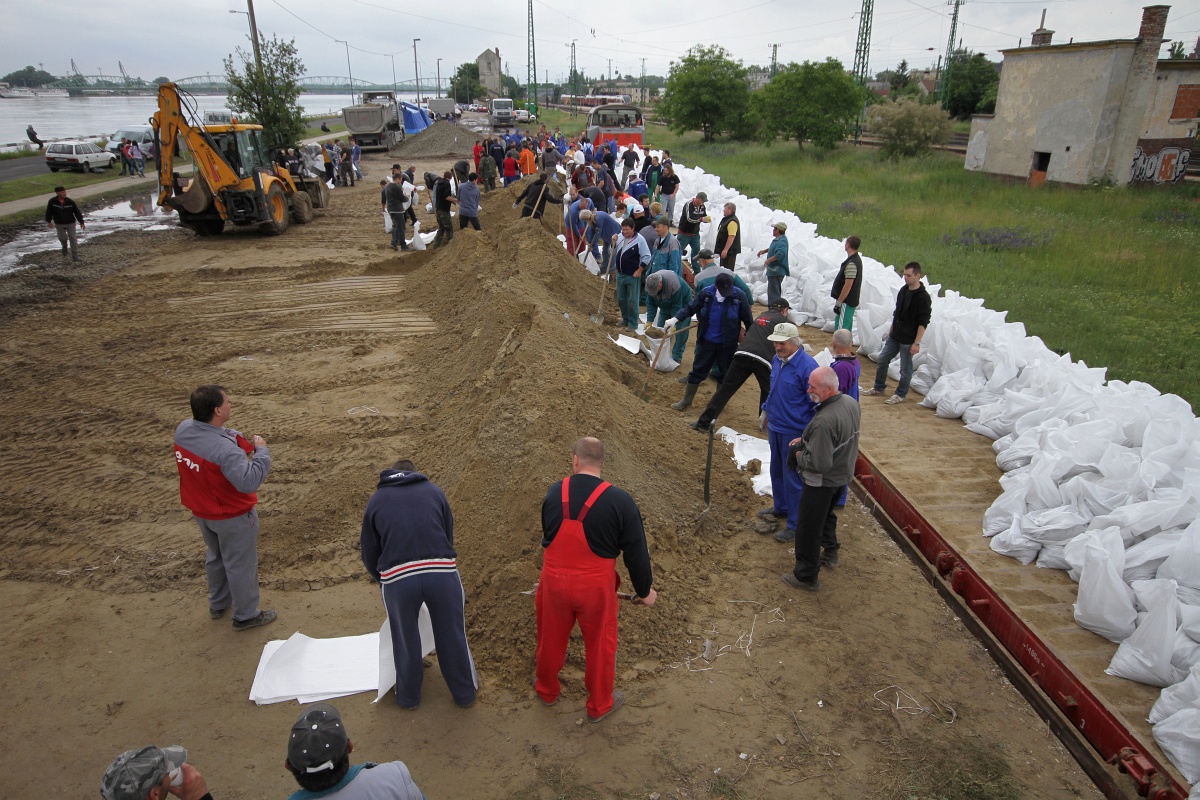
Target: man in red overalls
{"type": "Point", "coordinates": [586, 522]}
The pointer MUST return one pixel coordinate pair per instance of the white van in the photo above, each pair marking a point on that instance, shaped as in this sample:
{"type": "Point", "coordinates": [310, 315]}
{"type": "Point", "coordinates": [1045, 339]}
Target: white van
{"type": "Point", "coordinates": [142, 134]}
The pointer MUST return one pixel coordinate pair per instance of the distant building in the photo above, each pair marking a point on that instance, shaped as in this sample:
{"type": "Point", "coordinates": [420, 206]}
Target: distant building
{"type": "Point", "coordinates": [489, 71]}
{"type": "Point", "coordinates": [1091, 111]}
{"type": "Point", "coordinates": [758, 78]}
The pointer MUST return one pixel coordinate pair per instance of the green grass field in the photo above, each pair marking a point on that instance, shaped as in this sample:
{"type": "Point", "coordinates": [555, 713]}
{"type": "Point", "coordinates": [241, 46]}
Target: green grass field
{"type": "Point", "coordinates": [44, 184]}
{"type": "Point", "coordinates": [1110, 276]}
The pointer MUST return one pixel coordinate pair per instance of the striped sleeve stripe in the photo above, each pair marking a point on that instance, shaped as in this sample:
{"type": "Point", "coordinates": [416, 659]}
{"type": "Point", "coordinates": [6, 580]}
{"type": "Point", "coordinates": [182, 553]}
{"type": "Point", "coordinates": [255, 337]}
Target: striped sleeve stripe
{"type": "Point", "coordinates": [424, 566]}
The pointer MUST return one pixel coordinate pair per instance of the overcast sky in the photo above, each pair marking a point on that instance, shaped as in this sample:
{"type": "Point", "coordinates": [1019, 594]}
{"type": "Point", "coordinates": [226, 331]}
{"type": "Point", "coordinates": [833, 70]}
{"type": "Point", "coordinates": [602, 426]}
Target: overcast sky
{"type": "Point", "coordinates": [190, 37]}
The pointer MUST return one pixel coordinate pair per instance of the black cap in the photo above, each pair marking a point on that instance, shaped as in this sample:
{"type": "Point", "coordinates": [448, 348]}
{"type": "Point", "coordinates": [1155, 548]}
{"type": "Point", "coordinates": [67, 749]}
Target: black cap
{"type": "Point", "coordinates": [318, 741]}
{"type": "Point", "coordinates": [724, 284]}
{"type": "Point", "coordinates": [780, 303]}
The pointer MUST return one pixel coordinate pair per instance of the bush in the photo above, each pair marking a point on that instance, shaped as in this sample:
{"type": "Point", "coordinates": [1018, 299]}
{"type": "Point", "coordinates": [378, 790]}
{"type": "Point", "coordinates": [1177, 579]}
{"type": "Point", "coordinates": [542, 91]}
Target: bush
{"type": "Point", "coordinates": [997, 239]}
{"type": "Point", "coordinates": [909, 128]}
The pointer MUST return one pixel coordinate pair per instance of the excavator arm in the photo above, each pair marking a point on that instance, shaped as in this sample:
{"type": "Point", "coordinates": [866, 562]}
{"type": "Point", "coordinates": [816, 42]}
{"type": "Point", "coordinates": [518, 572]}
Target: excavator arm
{"type": "Point", "coordinates": [211, 172]}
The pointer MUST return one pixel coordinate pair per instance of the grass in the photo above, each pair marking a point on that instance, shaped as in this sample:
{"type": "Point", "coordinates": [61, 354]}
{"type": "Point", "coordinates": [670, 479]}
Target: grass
{"type": "Point", "coordinates": [315, 130]}
{"type": "Point", "coordinates": [35, 185]}
{"type": "Point", "coordinates": [24, 151]}
{"type": "Point", "coordinates": [1109, 275]}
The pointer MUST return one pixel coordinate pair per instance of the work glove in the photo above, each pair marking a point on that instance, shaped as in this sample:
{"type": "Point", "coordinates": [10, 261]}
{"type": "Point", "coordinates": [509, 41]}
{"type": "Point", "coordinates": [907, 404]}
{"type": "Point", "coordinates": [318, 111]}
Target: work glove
{"type": "Point", "coordinates": [670, 324]}
{"type": "Point", "coordinates": [762, 420]}
{"type": "Point", "coordinates": [514, 205]}
{"type": "Point", "coordinates": [837, 309]}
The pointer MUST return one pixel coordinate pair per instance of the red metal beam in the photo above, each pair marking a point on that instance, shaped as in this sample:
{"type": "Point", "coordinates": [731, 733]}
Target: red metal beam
{"type": "Point", "coordinates": [1081, 721]}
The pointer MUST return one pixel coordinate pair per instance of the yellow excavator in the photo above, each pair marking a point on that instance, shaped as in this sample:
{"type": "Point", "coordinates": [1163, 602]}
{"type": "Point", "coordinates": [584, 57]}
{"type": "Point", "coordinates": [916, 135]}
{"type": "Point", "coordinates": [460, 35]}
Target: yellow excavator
{"type": "Point", "coordinates": [233, 178]}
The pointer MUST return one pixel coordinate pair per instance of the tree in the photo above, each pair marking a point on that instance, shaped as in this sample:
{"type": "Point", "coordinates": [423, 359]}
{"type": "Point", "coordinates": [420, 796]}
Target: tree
{"type": "Point", "coordinates": [818, 101]}
{"type": "Point", "coordinates": [28, 77]}
{"type": "Point", "coordinates": [706, 90]}
{"type": "Point", "coordinates": [268, 98]}
{"type": "Point", "coordinates": [909, 128]}
{"type": "Point", "coordinates": [465, 84]}
{"type": "Point", "coordinates": [161, 79]}
{"type": "Point", "coordinates": [970, 76]}
{"type": "Point", "coordinates": [1176, 51]}
{"type": "Point", "coordinates": [900, 78]}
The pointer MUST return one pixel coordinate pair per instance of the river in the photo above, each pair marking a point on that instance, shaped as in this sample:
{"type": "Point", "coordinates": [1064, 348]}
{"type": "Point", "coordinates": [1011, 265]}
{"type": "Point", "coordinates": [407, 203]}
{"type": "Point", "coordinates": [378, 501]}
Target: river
{"type": "Point", "coordinates": [94, 117]}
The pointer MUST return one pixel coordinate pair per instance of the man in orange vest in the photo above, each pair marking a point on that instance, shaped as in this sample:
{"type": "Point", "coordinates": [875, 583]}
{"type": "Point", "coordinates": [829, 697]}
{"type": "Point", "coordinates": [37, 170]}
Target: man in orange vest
{"type": "Point", "coordinates": [586, 523]}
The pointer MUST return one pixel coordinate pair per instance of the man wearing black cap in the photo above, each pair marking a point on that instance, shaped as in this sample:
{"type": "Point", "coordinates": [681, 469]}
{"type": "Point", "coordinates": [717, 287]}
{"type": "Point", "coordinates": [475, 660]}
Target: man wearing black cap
{"type": "Point", "coordinates": [318, 757]}
{"type": "Point", "coordinates": [753, 357]}
{"type": "Point", "coordinates": [152, 773]}
{"type": "Point", "coordinates": [721, 310]}
{"type": "Point", "coordinates": [689, 227]}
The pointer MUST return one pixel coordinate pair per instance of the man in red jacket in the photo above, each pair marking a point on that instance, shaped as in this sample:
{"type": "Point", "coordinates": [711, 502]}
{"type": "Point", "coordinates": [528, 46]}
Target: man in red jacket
{"type": "Point", "coordinates": [219, 472]}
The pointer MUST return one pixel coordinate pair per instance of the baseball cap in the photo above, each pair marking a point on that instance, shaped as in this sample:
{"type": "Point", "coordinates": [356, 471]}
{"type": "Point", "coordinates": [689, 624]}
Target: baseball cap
{"type": "Point", "coordinates": [724, 284]}
{"type": "Point", "coordinates": [703, 196]}
{"type": "Point", "coordinates": [654, 283]}
{"type": "Point", "coordinates": [638, 210]}
{"type": "Point", "coordinates": [783, 332]}
{"type": "Point", "coordinates": [134, 773]}
{"type": "Point", "coordinates": [318, 739]}
{"type": "Point", "coordinates": [705, 253]}
{"type": "Point", "coordinates": [662, 219]}
{"type": "Point", "coordinates": [782, 226]}
{"type": "Point", "coordinates": [780, 303]}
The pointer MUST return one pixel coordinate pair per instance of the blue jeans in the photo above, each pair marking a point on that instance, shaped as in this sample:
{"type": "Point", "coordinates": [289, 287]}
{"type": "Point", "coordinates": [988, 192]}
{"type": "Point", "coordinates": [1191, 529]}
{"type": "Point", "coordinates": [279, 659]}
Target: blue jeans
{"type": "Point", "coordinates": [890, 349]}
{"type": "Point", "coordinates": [668, 202]}
{"type": "Point", "coordinates": [628, 289]}
{"type": "Point", "coordinates": [787, 487]}
{"type": "Point", "coordinates": [692, 242]}
{"type": "Point", "coordinates": [774, 288]}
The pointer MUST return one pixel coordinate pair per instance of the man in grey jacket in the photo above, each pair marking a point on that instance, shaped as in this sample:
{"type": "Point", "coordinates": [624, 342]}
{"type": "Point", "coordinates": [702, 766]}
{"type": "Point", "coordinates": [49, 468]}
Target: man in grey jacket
{"type": "Point", "coordinates": [824, 456]}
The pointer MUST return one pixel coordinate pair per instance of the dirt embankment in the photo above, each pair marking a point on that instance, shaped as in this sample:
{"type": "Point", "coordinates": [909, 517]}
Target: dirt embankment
{"type": "Point", "coordinates": [477, 361]}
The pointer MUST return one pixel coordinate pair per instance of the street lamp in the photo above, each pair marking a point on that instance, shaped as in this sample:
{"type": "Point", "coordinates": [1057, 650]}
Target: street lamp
{"type": "Point", "coordinates": [340, 41]}
{"type": "Point", "coordinates": [253, 35]}
{"type": "Point", "coordinates": [439, 76]}
{"type": "Point", "coordinates": [394, 89]}
{"type": "Point", "coordinates": [416, 71]}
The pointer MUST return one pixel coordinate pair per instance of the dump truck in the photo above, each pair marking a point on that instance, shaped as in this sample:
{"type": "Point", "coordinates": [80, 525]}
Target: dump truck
{"type": "Point", "coordinates": [233, 176]}
{"type": "Point", "coordinates": [378, 122]}
{"type": "Point", "coordinates": [500, 112]}
{"type": "Point", "coordinates": [442, 106]}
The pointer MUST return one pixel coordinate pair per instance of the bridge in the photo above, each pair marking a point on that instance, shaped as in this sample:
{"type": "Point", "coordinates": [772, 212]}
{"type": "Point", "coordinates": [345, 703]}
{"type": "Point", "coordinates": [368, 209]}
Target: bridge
{"type": "Point", "coordinates": [215, 84]}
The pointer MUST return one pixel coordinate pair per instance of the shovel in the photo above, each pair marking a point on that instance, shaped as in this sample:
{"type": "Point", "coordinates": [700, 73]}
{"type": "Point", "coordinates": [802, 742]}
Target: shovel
{"type": "Point", "coordinates": [712, 427]}
{"type": "Point", "coordinates": [598, 317]}
{"type": "Point", "coordinates": [657, 352]}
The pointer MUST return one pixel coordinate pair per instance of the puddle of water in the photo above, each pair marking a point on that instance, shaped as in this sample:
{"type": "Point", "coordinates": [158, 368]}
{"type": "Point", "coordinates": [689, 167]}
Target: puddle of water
{"type": "Point", "coordinates": [136, 213]}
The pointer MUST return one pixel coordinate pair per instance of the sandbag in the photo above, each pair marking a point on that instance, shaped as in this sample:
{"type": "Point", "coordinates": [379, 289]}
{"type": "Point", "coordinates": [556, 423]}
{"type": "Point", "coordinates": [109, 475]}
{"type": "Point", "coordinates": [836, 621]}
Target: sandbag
{"type": "Point", "coordinates": [1105, 604]}
{"type": "Point", "coordinates": [1179, 737]}
{"type": "Point", "coordinates": [1015, 544]}
{"type": "Point", "coordinates": [1143, 559]}
{"type": "Point", "coordinates": [1183, 565]}
{"type": "Point", "coordinates": [1187, 652]}
{"type": "Point", "coordinates": [418, 242]}
{"type": "Point", "coordinates": [1176, 697]}
{"type": "Point", "coordinates": [1075, 550]}
{"type": "Point", "coordinates": [1003, 510]}
{"type": "Point", "coordinates": [1052, 557]}
{"type": "Point", "coordinates": [1189, 620]}
{"type": "Point", "coordinates": [1145, 656]}
{"type": "Point", "coordinates": [665, 362]}
{"type": "Point", "coordinates": [387, 222]}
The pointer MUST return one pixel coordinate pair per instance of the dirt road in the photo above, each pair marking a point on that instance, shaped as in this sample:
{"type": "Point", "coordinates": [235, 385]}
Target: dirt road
{"type": "Point", "coordinates": [478, 361]}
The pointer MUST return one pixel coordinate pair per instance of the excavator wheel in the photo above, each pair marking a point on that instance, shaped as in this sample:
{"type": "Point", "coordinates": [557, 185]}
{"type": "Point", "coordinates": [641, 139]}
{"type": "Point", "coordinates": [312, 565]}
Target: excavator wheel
{"type": "Point", "coordinates": [302, 208]}
{"type": "Point", "coordinates": [209, 227]}
{"type": "Point", "coordinates": [277, 210]}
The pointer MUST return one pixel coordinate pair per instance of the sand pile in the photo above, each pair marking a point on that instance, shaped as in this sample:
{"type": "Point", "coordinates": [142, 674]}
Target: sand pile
{"type": "Point", "coordinates": [439, 139]}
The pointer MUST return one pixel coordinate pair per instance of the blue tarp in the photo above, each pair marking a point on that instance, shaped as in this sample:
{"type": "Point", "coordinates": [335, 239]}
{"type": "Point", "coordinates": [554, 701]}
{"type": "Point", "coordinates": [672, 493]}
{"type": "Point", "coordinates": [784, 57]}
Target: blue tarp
{"type": "Point", "coordinates": [416, 119]}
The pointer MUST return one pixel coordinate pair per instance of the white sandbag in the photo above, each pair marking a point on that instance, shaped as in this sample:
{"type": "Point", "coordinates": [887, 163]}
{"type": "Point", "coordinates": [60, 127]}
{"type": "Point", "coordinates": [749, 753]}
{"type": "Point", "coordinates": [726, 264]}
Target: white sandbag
{"type": "Point", "coordinates": [418, 242]}
{"type": "Point", "coordinates": [1183, 565]}
{"type": "Point", "coordinates": [1004, 509]}
{"type": "Point", "coordinates": [1145, 656]}
{"type": "Point", "coordinates": [1076, 549]}
{"type": "Point", "coordinates": [665, 362]}
{"type": "Point", "coordinates": [1187, 652]}
{"type": "Point", "coordinates": [1189, 621]}
{"type": "Point", "coordinates": [1176, 697]}
{"type": "Point", "coordinates": [1105, 603]}
{"type": "Point", "coordinates": [1143, 559]}
{"type": "Point", "coordinates": [1014, 544]}
{"type": "Point", "coordinates": [1179, 737]}
{"type": "Point", "coordinates": [1052, 557]}
{"type": "Point", "coordinates": [1054, 525]}
{"type": "Point", "coordinates": [387, 222]}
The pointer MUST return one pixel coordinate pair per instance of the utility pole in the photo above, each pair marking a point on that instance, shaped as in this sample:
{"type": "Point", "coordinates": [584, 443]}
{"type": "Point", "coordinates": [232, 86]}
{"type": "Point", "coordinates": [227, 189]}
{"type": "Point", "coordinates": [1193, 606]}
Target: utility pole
{"type": "Point", "coordinates": [944, 88]}
{"type": "Point", "coordinates": [774, 59]}
{"type": "Point", "coordinates": [574, 83]}
{"type": "Point", "coordinates": [416, 71]}
{"type": "Point", "coordinates": [439, 78]}
{"type": "Point", "coordinates": [342, 41]}
{"type": "Point", "coordinates": [394, 89]}
{"type": "Point", "coordinates": [254, 36]}
{"type": "Point", "coordinates": [644, 98]}
{"type": "Point", "coordinates": [610, 69]}
{"type": "Point", "coordinates": [862, 53]}
{"type": "Point", "coordinates": [531, 84]}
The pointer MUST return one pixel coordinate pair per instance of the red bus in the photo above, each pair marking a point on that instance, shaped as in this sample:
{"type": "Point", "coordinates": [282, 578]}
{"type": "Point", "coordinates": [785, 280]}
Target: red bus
{"type": "Point", "coordinates": [616, 121]}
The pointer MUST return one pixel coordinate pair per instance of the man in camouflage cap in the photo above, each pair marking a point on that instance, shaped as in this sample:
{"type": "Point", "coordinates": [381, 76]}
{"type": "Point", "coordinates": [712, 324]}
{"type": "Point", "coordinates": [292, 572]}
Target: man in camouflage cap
{"type": "Point", "coordinates": [152, 773]}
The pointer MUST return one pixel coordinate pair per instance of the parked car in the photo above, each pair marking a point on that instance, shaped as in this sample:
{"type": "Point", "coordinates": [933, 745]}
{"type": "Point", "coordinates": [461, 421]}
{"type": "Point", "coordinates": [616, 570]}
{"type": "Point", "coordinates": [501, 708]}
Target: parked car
{"type": "Point", "coordinates": [83, 156]}
{"type": "Point", "coordinates": [522, 115]}
{"type": "Point", "coordinates": [142, 134]}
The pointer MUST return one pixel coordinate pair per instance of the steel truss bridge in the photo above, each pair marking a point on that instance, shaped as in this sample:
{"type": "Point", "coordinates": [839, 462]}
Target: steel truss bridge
{"type": "Point", "coordinates": [213, 84]}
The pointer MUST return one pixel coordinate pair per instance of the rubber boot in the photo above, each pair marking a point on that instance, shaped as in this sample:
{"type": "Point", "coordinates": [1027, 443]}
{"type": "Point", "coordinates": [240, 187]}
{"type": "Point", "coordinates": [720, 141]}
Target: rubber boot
{"type": "Point", "coordinates": [689, 393]}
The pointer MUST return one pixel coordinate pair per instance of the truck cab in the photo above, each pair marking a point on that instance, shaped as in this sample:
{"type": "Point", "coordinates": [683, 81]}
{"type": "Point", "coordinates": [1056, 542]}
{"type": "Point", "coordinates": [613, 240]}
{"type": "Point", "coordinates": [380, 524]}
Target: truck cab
{"type": "Point", "coordinates": [500, 112]}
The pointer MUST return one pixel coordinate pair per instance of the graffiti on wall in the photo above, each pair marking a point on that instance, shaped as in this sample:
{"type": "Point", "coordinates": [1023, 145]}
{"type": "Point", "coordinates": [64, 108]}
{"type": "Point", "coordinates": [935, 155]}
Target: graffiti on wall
{"type": "Point", "coordinates": [1160, 161]}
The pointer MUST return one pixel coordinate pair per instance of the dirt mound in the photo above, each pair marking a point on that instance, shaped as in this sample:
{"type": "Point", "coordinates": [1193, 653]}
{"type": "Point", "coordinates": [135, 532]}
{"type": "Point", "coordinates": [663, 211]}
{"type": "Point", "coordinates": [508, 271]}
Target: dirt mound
{"type": "Point", "coordinates": [439, 139]}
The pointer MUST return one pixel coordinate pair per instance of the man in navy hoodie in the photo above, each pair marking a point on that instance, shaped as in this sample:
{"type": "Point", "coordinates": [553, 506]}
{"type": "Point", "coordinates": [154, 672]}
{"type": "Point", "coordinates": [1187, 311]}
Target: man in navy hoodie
{"type": "Point", "coordinates": [408, 546]}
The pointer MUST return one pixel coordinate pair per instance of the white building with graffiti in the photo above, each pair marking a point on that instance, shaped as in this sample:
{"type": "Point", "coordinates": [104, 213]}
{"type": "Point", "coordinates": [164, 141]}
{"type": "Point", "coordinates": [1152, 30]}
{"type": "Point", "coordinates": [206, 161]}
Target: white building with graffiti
{"type": "Point", "coordinates": [1084, 112]}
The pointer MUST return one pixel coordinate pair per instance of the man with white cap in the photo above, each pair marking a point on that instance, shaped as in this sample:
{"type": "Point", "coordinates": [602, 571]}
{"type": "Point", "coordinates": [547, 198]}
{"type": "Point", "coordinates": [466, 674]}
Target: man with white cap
{"type": "Point", "coordinates": [152, 773]}
{"type": "Point", "coordinates": [318, 756]}
{"type": "Point", "coordinates": [785, 414]}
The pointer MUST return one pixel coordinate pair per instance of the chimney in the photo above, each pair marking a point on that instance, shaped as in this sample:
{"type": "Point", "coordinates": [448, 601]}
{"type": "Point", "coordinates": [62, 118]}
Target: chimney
{"type": "Point", "coordinates": [1042, 36]}
{"type": "Point", "coordinates": [1139, 86]}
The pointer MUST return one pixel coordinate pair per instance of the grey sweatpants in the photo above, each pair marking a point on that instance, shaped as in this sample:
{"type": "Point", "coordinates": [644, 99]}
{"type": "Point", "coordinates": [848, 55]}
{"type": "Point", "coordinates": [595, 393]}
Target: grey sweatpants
{"type": "Point", "coordinates": [232, 563]}
{"type": "Point", "coordinates": [66, 233]}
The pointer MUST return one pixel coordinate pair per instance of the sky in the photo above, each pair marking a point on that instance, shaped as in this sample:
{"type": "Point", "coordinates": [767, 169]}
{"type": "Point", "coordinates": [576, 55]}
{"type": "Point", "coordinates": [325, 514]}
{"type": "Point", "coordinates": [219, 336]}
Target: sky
{"type": "Point", "coordinates": [192, 37]}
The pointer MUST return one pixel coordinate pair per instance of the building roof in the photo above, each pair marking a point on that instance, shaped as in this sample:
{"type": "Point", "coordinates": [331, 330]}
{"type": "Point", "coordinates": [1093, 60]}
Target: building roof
{"type": "Point", "coordinates": [1045, 48]}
